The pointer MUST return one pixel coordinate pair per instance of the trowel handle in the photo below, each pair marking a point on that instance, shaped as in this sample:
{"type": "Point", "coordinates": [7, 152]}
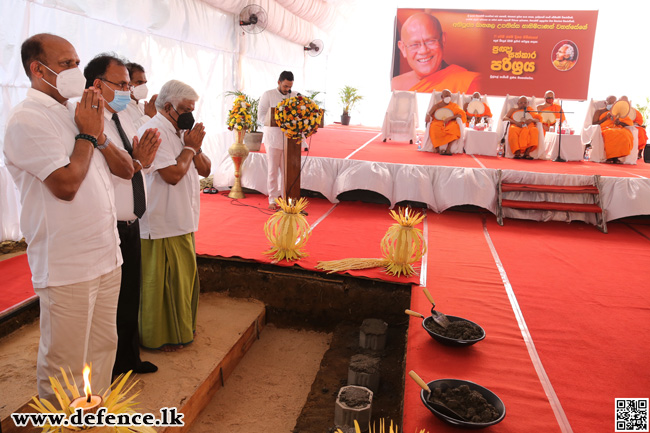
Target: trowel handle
{"type": "Point", "coordinates": [429, 297]}
{"type": "Point", "coordinates": [419, 381]}
{"type": "Point", "coordinates": [414, 314]}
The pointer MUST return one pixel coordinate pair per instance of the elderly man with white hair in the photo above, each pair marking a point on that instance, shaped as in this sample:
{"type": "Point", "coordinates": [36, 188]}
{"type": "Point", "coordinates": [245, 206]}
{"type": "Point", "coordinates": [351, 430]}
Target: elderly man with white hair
{"type": "Point", "coordinates": [170, 281]}
{"type": "Point", "coordinates": [565, 58]}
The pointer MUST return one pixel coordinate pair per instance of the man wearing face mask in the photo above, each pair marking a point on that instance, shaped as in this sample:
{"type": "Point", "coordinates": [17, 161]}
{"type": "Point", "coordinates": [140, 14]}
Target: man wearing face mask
{"type": "Point", "coordinates": [170, 280]}
{"type": "Point", "coordinates": [61, 161]}
{"type": "Point", "coordinates": [487, 113]}
{"type": "Point", "coordinates": [139, 113]}
{"type": "Point", "coordinates": [443, 132]}
{"type": "Point", "coordinates": [109, 74]}
{"type": "Point", "coordinates": [273, 136]}
{"type": "Point", "coordinates": [550, 105]}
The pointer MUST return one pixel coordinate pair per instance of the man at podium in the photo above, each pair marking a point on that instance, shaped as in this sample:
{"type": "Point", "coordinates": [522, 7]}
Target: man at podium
{"type": "Point", "coordinates": [273, 135]}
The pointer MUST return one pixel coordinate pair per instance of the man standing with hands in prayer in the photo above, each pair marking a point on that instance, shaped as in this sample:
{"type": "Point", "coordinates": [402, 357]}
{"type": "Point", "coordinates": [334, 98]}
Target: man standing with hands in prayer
{"type": "Point", "coordinates": [108, 73]}
{"type": "Point", "coordinates": [61, 161]}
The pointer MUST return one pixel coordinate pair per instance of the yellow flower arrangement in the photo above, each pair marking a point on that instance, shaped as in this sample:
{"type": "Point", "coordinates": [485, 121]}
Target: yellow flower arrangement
{"type": "Point", "coordinates": [298, 116]}
{"type": "Point", "coordinates": [239, 117]}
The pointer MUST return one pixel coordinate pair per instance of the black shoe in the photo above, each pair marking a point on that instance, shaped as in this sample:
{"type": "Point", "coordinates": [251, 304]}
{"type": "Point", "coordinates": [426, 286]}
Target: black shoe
{"type": "Point", "coordinates": [145, 367]}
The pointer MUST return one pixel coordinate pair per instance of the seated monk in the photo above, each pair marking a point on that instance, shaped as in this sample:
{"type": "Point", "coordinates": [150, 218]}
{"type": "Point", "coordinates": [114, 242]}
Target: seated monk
{"type": "Point", "coordinates": [487, 113]}
{"type": "Point", "coordinates": [422, 43]}
{"type": "Point", "coordinates": [643, 135]}
{"type": "Point", "coordinates": [618, 140]}
{"type": "Point", "coordinates": [640, 127]}
{"type": "Point", "coordinates": [443, 132]}
{"type": "Point", "coordinates": [523, 135]}
{"type": "Point", "coordinates": [550, 105]}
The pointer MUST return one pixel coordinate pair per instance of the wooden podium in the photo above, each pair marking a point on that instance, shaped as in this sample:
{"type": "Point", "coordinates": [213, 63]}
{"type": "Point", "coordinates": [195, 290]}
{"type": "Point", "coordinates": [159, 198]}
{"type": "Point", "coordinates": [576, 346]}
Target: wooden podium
{"type": "Point", "coordinates": [291, 174]}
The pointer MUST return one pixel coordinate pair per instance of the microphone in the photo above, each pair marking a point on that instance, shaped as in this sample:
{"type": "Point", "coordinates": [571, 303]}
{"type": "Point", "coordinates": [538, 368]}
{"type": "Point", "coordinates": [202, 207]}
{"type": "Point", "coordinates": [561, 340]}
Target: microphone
{"type": "Point", "coordinates": [298, 94]}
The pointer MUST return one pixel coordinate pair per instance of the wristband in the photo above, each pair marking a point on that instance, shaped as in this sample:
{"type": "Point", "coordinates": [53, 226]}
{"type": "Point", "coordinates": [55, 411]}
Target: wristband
{"type": "Point", "coordinates": [87, 137]}
{"type": "Point", "coordinates": [139, 163]}
{"type": "Point", "coordinates": [190, 148]}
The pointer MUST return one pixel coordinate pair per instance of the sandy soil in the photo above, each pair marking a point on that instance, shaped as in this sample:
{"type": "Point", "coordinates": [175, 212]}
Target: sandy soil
{"type": "Point", "coordinates": [268, 389]}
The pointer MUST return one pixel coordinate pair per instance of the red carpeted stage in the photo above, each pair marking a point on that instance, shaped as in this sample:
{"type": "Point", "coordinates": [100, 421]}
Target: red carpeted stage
{"type": "Point", "coordinates": [344, 159]}
{"type": "Point", "coordinates": [565, 307]}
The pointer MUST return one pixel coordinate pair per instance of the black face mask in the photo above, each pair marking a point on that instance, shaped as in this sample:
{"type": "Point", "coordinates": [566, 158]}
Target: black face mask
{"type": "Point", "coordinates": [185, 120]}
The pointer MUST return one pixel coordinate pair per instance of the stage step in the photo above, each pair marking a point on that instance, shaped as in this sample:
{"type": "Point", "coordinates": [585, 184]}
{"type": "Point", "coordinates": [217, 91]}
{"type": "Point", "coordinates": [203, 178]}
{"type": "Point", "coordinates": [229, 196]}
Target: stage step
{"type": "Point", "coordinates": [592, 190]}
{"type": "Point", "coordinates": [227, 328]}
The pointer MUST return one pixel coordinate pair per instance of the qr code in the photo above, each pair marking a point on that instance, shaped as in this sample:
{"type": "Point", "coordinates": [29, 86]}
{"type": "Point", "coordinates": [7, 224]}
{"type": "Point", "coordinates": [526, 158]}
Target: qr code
{"type": "Point", "coordinates": [631, 415]}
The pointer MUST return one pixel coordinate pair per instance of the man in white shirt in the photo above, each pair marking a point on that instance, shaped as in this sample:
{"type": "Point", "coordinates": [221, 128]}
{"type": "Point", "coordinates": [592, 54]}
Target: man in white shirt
{"type": "Point", "coordinates": [274, 137]}
{"type": "Point", "coordinates": [139, 113]}
{"type": "Point", "coordinates": [62, 161]}
{"type": "Point", "coordinates": [109, 74]}
{"type": "Point", "coordinates": [170, 279]}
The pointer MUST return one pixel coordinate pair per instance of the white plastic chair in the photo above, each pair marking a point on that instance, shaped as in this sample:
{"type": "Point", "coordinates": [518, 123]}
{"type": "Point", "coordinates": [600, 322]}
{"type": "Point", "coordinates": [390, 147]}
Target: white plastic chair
{"type": "Point", "coordinates": [593, 134]}
{"type": "Point", "coordinates": [504, 125]}
{"type": "Point", "coordinates": [401, 119]}
{"type": "Point", "coordinates": [456, 146]}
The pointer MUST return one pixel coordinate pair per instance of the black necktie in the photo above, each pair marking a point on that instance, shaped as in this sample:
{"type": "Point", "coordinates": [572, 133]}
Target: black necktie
{"type": "Point", "coordinates": [139, 200]}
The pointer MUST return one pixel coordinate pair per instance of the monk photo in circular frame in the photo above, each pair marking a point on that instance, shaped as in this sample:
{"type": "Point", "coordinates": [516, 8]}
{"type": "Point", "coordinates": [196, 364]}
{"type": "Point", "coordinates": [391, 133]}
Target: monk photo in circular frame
{"type": "Point", "coordinates": [564, 55]}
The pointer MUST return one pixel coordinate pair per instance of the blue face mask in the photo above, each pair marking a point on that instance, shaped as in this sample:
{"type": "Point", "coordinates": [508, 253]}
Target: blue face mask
{"type": "Point", "coordinates": [121, 99]}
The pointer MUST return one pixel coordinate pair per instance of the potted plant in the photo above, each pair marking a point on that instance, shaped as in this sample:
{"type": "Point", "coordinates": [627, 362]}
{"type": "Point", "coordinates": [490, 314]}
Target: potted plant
{"type": "Point", "coordinates": [312, 94]}
{"type": "Point", "coordinates": [253, 138]}
{"type": "Point", "coordinates": [349, 98]}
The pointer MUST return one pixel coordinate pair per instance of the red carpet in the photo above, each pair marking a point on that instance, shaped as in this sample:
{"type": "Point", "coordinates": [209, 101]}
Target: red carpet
{"type": "Point", "coordinates": [16, 282]}
{"type": "Point", "coordinates": [230, 229]}
{"type": "Point", "coordinates": [584, 296]}
{"type": "Point", "coordinates": [465, 282]}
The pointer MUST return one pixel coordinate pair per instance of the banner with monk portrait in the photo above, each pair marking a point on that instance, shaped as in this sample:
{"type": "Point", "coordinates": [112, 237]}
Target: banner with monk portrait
{"type": "Point", "coordinates": [495, 52]}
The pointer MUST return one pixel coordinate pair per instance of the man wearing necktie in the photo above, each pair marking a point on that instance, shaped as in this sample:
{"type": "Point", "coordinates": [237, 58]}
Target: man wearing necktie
{"type": "Point", "coordinates": [109, 74]}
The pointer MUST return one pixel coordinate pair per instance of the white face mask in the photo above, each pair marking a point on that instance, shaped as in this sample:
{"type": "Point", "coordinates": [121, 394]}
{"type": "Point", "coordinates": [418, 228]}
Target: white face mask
{"type": "Point", "coordinates": [69, 83]}
{"type": "Point", "coordinates": [609, 106]}
{"type": "Point", "coordinates": [447, 99]}
{"type": "Point", "coordinates": [140, 92]}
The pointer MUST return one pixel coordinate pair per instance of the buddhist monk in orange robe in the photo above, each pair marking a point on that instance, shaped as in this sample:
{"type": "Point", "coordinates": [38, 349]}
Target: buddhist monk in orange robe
{"type": "Point", "coordinates": [643, 135]}
{"type": "Point", "coordinates": [422, 44]}
{"type": "Point", "coordinates": [550, 105]}
{"type": "Point", "coordinates": [565, 58]}
{"type": "Point", "coordinates": [443, 132]}
{"type": "Point", "coordinates": [618, 140]}
{"type": "Point", "coordinates": [523, 137]}
{"type": "Point", "coordinates": [477, 117]}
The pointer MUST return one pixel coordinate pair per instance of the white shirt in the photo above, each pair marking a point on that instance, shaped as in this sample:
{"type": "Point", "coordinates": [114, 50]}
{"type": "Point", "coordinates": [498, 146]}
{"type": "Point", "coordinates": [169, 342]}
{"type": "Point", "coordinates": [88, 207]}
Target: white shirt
{"type": "Point", "coordinates": [172, 210]}
{"type": "Point", "coordinates": [136, 112]}
{"type": "Point", "coordinates": [273, 136]}
{"type": "Point", "coordinates": [123, 187]}
{"type": "Point", "coordinates": [68, 241]}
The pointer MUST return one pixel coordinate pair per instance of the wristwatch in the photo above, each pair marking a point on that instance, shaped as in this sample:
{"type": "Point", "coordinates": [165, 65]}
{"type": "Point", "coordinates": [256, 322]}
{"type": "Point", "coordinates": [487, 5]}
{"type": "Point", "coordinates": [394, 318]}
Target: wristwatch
{"type": "Point", "coordinates": [105, 145]}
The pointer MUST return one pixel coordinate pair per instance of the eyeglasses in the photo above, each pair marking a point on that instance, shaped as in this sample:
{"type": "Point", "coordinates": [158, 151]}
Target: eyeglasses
{"type": "Point", "coordinates": [431, 44]}
{"type": "Point", "coordinates": [122, 86]}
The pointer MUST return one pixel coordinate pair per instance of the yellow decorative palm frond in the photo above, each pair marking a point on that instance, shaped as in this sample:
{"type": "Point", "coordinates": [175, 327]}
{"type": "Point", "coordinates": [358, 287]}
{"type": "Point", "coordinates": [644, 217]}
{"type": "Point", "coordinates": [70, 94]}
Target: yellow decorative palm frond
{"type": "Point", "coordinates": [287, 230]}
{"type": "Point", "coordinates": [403, 244]}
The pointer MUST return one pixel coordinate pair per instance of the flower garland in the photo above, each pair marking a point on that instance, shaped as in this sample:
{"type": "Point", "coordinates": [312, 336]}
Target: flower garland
{"type": "Point", "coordinates": [240, 117]}
{"type": "Point", "coordinates": [298, 117]}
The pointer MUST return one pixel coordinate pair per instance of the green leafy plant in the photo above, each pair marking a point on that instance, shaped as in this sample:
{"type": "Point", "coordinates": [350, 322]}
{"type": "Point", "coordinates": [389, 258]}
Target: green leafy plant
{"type": "Point", "coordinates": [253, 108]}
{"type": "Point", "coordinates": [349, 97]}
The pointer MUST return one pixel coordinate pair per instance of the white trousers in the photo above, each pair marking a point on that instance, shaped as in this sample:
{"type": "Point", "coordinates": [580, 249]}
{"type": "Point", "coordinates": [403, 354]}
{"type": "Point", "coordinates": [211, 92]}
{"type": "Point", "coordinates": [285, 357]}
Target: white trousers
{"type": "Point", "coordinates": [78, 327]}
{"type": "Point", "coordinates": [275, 168]}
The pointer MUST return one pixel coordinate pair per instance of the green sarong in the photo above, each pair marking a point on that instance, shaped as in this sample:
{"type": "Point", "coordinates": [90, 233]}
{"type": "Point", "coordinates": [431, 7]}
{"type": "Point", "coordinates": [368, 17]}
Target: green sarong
{"type": "Point", "coordinates": [170, 291]}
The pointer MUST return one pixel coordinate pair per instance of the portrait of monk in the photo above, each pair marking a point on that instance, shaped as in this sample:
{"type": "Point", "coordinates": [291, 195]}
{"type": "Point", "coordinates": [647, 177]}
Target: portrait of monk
{"type": "Point", "coordinates": [565, 57]}
{"type": "Point", "coordinates": [422, 44]}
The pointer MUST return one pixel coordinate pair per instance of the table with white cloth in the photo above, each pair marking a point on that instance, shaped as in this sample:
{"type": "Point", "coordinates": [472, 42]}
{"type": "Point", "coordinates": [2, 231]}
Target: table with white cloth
{"type": "Point", "coordinates": [481, 142]}
{"type": "Point", "coordinates": [571, 147]}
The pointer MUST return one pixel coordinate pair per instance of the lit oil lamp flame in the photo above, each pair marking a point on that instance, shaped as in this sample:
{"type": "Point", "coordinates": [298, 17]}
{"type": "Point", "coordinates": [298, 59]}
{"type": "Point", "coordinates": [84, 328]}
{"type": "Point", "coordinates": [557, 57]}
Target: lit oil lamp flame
{"type": "Point", "coordinates": [87, 390]}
